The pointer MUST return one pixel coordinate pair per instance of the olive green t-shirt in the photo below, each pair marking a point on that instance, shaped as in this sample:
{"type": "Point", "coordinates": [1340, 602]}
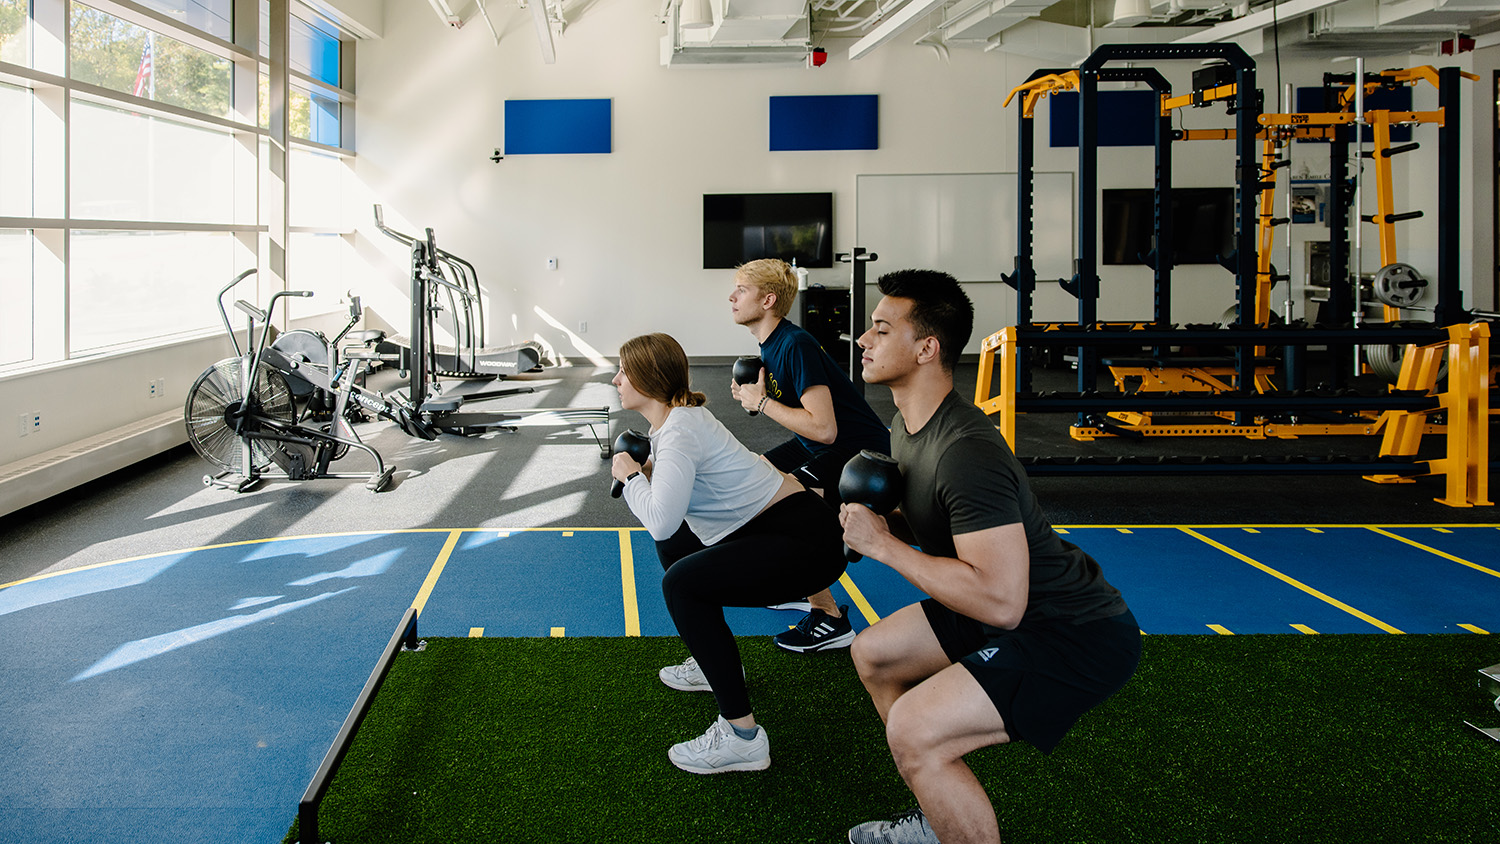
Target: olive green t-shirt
{"type": "Point", "coordinates": [960, 476]}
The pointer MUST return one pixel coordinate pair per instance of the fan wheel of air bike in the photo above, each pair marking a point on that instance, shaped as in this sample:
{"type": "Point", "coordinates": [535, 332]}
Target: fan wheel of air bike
{"type": "Point", "coordinates": [214, 402]}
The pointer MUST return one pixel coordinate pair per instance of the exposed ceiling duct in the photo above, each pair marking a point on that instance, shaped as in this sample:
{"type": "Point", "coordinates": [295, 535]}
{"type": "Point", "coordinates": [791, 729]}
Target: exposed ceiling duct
{"type": "Point", "coordinates": [739, 32]}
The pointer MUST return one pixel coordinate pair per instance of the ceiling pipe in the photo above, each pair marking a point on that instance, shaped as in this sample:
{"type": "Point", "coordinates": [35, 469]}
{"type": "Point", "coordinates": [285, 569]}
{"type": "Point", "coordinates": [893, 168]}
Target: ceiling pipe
{"type": "Point", "coordinates": [893, 26]}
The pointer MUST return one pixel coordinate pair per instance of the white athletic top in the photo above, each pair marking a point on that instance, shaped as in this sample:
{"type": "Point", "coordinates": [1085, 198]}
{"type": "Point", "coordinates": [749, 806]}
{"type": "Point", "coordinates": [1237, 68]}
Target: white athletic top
{"type": "Point", "coordinates": [700, 473]}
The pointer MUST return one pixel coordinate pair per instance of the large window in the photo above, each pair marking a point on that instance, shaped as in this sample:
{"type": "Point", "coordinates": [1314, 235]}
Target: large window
{"type": "Point", "coordinates": [15, 151]}
{"type": "Point", "coordinates": [111, 53]}
{"type": "Point", "coordinates": [17, 304]}
{"type": "Point", "coordinates": [128, 169]}
{"type": "Point", "coordinates": [150, 168]}
{"type": "Point", "coordinates": [14, 31]}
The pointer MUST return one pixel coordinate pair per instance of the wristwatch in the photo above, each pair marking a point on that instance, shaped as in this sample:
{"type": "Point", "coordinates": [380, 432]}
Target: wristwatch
{"type": "Point", "coordinates": [632, 476]}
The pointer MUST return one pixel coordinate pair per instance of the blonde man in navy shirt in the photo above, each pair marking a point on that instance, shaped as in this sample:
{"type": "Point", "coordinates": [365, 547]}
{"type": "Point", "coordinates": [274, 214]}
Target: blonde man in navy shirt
{"type": "Point", "coordinates": [804, 391]}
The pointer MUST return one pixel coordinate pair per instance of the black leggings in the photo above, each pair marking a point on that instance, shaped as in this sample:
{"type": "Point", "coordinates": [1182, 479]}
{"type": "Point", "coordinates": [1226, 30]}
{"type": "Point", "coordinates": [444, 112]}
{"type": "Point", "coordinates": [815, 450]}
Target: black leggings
{"type": "Point", "coordinates": [792, 550]}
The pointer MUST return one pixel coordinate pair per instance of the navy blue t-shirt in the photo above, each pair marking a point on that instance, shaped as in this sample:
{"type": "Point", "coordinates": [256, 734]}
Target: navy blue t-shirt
{"type": "Point", "coordinates": [795, 362]}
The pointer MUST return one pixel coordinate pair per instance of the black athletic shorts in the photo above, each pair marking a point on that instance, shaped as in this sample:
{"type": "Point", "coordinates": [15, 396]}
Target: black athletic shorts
{"type": "Point", "coordinates": [1043, 675]}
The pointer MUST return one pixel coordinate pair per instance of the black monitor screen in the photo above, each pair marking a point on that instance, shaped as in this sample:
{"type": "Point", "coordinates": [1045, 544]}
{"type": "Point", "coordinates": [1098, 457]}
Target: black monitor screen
{"type": "Point", "coordinates": [1202, 225]}
{"type": "Point", "coordinates": [740, 227]}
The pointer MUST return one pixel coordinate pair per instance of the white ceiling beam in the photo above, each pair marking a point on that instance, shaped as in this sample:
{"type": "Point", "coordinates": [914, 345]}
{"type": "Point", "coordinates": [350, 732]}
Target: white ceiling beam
{"type": "Point", "coordinates": [543, 30]}
{"type": "Point", "coordinates": [1283, 12]}
{"type": "Point", "coordinates": [893, 26]}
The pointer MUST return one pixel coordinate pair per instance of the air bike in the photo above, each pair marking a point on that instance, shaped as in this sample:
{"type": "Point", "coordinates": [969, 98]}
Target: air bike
{"type": "Point", "coordinates": [285, 409]}
{"type": "Point", "coordinates": [445, 294]}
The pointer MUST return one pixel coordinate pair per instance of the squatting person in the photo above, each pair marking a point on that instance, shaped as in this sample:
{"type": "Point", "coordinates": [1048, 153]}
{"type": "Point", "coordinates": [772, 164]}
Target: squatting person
{"type": "Point", "coordinates": [804, 391]}
{"type": "Point", "coordinates": [730, 530]}
{"type": "Point", "coordinates": [1021, 635]}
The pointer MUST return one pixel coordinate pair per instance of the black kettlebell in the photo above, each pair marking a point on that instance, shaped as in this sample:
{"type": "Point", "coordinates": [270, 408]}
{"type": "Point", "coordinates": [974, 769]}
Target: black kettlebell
{"type": "Point", "coordinates": [635, 444]}
{"type": "Point", "coordinates": [747, 371]}
{"type": "Point", "coordinates": [874, 480]}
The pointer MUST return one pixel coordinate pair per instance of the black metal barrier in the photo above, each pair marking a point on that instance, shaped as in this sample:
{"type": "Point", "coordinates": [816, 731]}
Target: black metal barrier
{"type": "Point", "coordinates": [307, 810]}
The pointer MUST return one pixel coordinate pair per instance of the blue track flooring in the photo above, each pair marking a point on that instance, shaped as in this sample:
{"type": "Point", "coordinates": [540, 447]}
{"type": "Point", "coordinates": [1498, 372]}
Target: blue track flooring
{"type": "Point", "coordinates": [190, 696]}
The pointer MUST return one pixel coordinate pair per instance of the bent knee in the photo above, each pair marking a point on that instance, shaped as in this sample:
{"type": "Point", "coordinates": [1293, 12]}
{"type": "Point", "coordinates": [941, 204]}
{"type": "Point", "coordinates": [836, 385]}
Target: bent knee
{"type": "Point", "coordinates": [871, 655]}
{"type": "Point", "coordinates": [911, 729]}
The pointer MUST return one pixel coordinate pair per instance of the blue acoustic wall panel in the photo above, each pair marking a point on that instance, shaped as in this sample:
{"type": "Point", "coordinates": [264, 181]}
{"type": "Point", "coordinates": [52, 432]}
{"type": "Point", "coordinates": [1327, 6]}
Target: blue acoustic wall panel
{"type": "Point", "coordinates": [1126, 119]}
{"type": "Point", "coordinates": [536, 127]}
{"type": "Point", "coordinates": [828, 122]}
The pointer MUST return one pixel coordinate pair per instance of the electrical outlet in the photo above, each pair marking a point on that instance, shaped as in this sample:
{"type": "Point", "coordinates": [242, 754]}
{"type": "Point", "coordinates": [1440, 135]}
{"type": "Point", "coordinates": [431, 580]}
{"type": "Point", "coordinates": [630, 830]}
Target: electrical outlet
{"type": "Point", "coordinates": [23, 424]}
{"type": "Point", "coordinates": [583, 327]}
{"type": "Point", "coordinates": [31, 423]}
{"type": "Point", "coordinates": [551, 263]}
{"type": "Point", "coordinates": [151, 391]}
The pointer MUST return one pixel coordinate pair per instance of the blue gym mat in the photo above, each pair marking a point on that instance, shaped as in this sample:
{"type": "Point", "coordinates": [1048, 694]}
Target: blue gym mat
{"type": "Point", "coordinates": [190, 696]}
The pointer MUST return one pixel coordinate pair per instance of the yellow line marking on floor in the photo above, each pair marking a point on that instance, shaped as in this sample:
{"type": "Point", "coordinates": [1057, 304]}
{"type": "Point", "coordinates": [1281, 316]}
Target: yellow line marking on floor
{"type": "Point", "coordinates": [627, 586]}
{"type": "Point", "coordinates": [476, 632]}
{"type": "Point", "coordinates": [859, 598]}
{"type": "Point", "coordinates": [508, 531]}
{"type": "Point", "coordinates": [559, 632]}
{"type": "Point", "coordinates": [1123, 530]}
{"type": "Point", "coordinates": [1442, 530]}
{"type": "Point", "coordinates": [1251, 530]}
{"type": "Point", "coordinates": [436, 571]}
{"type": "Point", "coordinates": [1292, 581]}
{"type": "Point", "coordinates": [567, 533]}
{"type": "Point", "coordinates": [1472, 629]}
{"type": "Point", "coordinates": [1431, 550]}
{"type": "Point", "coordinates": [1303, 628]}
{"type": "Point", "coordinates": [1221, 630]}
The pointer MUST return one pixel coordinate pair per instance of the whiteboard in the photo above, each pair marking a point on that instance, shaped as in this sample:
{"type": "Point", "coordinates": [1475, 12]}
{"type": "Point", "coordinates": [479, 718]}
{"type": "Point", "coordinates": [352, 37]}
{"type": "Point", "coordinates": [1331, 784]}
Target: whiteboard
{"type": "Point", "coordinates": [964, 223]}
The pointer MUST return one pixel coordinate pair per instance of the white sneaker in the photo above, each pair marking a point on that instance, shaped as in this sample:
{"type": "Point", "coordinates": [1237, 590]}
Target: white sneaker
{"type": "Point", "coordinates": [719, 750]}
{"type": "Point", "coordinates": [799, 606]}
{"type": "Point", "coordinates": [687, 677]}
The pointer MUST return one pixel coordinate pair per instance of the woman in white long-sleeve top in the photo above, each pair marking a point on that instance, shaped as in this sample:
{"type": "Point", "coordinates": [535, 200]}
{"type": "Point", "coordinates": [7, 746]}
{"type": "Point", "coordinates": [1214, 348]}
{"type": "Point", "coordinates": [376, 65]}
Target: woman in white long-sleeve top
{"type": "Point", "coordinates": [731, 531]}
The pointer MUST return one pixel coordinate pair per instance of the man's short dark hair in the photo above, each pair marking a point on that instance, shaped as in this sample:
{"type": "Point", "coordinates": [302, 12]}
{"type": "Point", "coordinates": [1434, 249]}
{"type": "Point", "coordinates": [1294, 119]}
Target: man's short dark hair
{"type": "Point", "coordinates": [940, 308]}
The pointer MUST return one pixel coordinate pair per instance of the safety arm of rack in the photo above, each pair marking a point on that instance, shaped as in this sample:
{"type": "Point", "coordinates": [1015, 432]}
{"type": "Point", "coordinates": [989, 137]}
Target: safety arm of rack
{"type": "Point", "coordinates": [1035, 89]}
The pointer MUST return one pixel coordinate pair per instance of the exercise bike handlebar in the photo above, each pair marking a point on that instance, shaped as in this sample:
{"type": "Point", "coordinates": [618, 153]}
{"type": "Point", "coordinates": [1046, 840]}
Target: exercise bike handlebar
{"type": "Point", "coordinates": [224, 312]}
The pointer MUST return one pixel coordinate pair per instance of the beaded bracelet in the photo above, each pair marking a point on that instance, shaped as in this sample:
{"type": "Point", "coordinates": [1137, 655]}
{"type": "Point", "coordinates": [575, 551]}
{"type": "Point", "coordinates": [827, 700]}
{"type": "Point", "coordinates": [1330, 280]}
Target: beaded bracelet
{"type": "Point", "coordinates": [762, 404]}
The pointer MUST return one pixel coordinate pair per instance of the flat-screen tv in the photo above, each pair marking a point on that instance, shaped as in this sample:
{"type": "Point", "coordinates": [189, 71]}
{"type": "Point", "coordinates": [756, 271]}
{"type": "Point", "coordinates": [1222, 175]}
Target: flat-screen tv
{"type": "Point", "coordinates": [740, 227]}
{"type": "Point", "coordinates": [1202, 225]}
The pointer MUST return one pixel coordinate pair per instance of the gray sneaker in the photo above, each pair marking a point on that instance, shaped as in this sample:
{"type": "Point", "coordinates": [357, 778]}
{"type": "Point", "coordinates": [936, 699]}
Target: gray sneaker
{"type": "Point", "coordinates": [687, 677]}
{"type": "Point", "coordinates": [720, 750]}
{"type": "Point", "coordinates": [909, 827]}
{"type": "Point", "coordinates": [799, 606]}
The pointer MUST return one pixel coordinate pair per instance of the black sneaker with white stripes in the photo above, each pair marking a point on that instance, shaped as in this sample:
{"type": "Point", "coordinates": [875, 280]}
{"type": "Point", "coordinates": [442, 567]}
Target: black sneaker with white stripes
{"type": "Point", "coordinates": [818, 631]}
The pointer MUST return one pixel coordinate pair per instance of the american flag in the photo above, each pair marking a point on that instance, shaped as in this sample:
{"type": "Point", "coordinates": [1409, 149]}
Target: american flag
{"type": "Point", "coordinates": [144, 83]}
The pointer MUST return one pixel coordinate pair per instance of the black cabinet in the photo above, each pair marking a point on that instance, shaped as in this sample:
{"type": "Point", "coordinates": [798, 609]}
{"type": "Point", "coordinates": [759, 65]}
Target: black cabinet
{"type": "Point", "coordinates": [825, 315]}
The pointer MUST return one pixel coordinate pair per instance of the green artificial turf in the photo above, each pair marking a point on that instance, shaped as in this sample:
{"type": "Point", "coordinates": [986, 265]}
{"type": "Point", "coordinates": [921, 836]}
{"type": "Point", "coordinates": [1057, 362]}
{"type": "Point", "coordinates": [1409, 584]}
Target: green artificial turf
{"type": "Point", "coordinates": [1216, 739]}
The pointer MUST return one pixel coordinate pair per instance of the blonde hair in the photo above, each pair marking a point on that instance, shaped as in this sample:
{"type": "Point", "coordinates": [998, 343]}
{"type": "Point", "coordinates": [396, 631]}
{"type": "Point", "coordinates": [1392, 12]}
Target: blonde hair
{"type": "Point", "coordinates": [658, 369]}
{"type": "Point", "coordinates": [771, 275]}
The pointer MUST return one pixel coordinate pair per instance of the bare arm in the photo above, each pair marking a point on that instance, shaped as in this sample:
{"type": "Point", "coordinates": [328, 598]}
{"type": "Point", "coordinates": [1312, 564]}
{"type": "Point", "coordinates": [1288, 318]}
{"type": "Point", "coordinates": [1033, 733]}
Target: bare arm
{"type": "Point", "coordinates": [989, 579]}
{"type": "Point", "coordinates": [813, 420]}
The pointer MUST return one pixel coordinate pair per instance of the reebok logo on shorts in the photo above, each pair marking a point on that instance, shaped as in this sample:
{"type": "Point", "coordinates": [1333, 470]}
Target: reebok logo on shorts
{"type": "Point", "coordinates": [987, 653]}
